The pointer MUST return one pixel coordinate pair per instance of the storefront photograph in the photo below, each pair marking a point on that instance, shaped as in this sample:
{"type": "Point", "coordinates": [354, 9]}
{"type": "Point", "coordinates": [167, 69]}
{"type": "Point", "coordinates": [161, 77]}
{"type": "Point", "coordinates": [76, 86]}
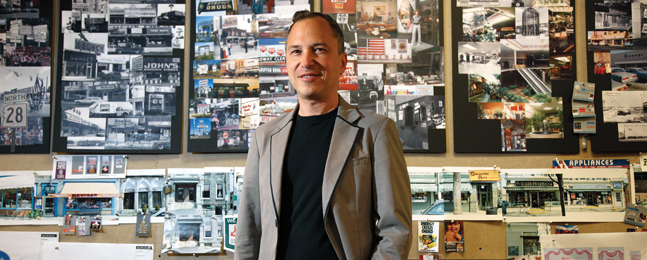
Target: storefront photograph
{"type": "Point", "coordinates": [155, 71]}
{"type": "Point", "coordinates": [141, 193]}
{"type": "Point", "coordinates": [147, 132]}
{"type": "Point", "coordinates": [16, 194]}
{"type": "Point", "coordinates": [433, 193]}
{"type": "Point", "coordinates": [98, 197]}
{"type": "Point", "coordinates": [585, 192]}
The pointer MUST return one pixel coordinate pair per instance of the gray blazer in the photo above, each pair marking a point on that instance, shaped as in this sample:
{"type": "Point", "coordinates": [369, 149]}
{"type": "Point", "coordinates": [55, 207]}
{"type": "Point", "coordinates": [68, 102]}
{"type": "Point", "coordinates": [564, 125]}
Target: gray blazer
{"type": "Point", "coordinates": [366, 195]}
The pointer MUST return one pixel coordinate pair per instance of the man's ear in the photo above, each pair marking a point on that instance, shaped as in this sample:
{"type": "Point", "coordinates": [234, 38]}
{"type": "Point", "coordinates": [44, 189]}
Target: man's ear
{"type": "Point", "coordinates": [344, 61]}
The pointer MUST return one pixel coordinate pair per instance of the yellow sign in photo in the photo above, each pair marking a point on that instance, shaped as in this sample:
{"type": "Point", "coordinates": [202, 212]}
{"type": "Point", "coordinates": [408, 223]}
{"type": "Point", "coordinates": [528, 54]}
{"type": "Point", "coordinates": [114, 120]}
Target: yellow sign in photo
{"type": "Point", "coordinates": [485, 175]}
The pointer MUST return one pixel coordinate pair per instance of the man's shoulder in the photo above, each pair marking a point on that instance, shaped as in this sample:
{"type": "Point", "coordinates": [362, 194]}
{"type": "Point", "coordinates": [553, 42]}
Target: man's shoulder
{"type": "Point", "coordinates": [372, 120]}
{"type": "Point", "coordinates": [271, 126]}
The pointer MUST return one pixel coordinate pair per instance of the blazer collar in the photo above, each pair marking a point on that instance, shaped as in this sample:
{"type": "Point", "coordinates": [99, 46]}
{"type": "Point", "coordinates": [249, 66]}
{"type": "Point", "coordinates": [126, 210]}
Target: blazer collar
{"type": "Point", "coordinates": [344, 110]}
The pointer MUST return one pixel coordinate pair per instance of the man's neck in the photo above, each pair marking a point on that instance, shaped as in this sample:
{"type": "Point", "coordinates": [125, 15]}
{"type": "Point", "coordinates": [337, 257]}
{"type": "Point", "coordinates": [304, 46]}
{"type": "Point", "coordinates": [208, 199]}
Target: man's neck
{"type": "Point", "coordinates": [314, 107]}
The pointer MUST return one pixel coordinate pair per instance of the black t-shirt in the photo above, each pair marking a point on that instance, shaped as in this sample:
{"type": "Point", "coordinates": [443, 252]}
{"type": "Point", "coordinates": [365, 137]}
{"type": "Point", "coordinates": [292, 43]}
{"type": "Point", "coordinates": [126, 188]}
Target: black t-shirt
{"type": "Point", "coordinates": [301, 230]}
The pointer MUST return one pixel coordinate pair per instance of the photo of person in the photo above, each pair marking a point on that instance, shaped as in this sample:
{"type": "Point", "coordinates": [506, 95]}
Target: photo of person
{"type": "Point", "coordinates": [454, 236]}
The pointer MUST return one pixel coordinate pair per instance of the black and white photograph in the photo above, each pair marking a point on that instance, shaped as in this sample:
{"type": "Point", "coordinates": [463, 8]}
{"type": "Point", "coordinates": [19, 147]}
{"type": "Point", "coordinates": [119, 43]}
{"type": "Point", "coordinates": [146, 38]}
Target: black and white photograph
{"type": "Point", "coordinates": [473, 3]}
{"type": "Point", "coordinates": [71, 21]}
{"type": "Point", "coordinates": [348, 25]}
{"type": "Point", "coordinates": [156, 40]}
{"type": "Point", "coordinates": [170, 14]}
{"type": "Point", "coordinates": [365, 91]}
{"type": "Point", "coordinates": [479, 57]}
{"type": "Point", "coordinates": [80, 55]}
{"type": "Point", "coordinates": [132, 15]}
{"type": "Point", "coordinates": [94, 22]}
{"type": "Point", "coordinates": [159, 100]}
{"type": "Point", "coordinates": [613, 16]}
{"type": "Point", "coordinates": [34, 82]}
{"type": "Point", "coordinates": [147, 133]}
{"type": "Point", "coordinates": [515, 3]}
{"type": "Point", "coordinates": [155, 71]}
{"type": "Point", "coordinates": [531, 25]}
{"type": "Point", "coordinates": [414, 115]}
{"type": "Point", "coordinates": [488, 24]}
{"type": "Point", "coordinates": [89, 142]}
{"type": "Point", "coordinates": [27, 43]}
{"type": "Point", "coordinates": [623, 106]}
{"type": "Point", "coordinates": [76, 122]}
{"type": "Point", "coordinates": [178, 36]}
{"type": "Point", "coordinates": [92, 6]}
{"type": "Point", "coordinates": [552, 3]}
{"type": "Point", "coordinates": [426, 68]}
{"type": "Point", "coordinates": [104, 99]}
{"type": "Point", "coordinates": [632, 132]}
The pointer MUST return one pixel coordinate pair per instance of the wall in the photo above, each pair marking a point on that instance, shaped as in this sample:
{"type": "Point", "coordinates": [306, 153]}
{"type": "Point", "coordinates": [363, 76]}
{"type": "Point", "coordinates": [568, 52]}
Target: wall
{"type": "Point", "coordinates": [484, 240]}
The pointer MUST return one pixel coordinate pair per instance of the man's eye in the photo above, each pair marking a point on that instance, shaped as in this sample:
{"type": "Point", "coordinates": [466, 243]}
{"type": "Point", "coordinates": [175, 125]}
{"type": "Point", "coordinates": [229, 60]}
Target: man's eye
{"type": "Point", "coordinates": [320, 49]}
{"type": "Point", "coordinates": [296, 52]}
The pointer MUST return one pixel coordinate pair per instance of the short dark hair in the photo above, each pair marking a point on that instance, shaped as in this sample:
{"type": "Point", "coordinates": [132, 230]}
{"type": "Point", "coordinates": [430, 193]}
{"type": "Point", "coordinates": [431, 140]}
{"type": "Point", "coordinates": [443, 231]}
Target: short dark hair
{"type": "Point", "coordinates": [336, 30]}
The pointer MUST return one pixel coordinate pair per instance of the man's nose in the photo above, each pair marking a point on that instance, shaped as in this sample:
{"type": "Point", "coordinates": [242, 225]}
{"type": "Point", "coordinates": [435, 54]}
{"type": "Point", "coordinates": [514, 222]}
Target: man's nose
{"type": "Point", "coordinates": [307, 59]}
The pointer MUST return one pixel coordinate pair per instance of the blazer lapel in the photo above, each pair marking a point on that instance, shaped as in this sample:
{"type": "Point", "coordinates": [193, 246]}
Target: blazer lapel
{"type": "Point", "coordinates": [278, 144]}
{"type": "Point", "coordinates": [341, 145]}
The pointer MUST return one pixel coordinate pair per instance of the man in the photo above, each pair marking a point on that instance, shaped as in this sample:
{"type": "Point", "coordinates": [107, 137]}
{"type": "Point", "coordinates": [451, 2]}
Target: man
{"type": "Point", "coordinates": [327, 180]}
{"type": "Point", "coordinates": [416, 20]}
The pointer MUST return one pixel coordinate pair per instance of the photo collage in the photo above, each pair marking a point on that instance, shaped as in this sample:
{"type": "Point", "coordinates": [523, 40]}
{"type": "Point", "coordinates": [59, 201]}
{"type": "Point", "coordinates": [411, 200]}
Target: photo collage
{"type": "Point", "coordinates": [240, 81]}
{"type": "Point", "coordinates": [121, 76]}
{"type": "Point", "coordinates": [25, 66]}
{"type": "Point", "coordinates": [618, 45]}
{"type": "Point", "coordinates": [511, 51]}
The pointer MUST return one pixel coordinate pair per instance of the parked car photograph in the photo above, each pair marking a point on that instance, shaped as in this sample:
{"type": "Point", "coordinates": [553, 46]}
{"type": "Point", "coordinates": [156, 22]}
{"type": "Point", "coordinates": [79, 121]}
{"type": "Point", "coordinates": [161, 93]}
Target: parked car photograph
{"type": "Point", "coordinates": [88, 101]}
{"type": "Point", "coordinates": [641, 73]}
{"type": "Point", "coordinates": [622, 76]}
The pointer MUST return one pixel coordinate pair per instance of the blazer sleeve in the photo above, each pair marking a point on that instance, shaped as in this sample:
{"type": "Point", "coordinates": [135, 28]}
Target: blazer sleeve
{"type": "Point", "coordinates": [392, 195]}
{"type": "Point", "coordinates": [248, 227]}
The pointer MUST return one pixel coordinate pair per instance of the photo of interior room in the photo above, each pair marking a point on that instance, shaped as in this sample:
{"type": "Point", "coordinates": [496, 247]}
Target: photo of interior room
{"type": "Point", "coordinates": [545, 120]}
{"type": "Point", "coordinates": [376, 20]}
{"type": "Point", "coordinates": [488, 24]}
{"type": "Point", "coordinates": [479, 57]}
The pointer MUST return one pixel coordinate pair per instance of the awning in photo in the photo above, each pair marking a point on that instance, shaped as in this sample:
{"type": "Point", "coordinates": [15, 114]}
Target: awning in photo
{"type": "Point", "coordinates": [88, 190]}
{"type": "Point", "coordinates": [465, 187]}
{"type": "Point", "coordinates": [15, 180]}
{"type": "Point", "coordinates": [422, 187]}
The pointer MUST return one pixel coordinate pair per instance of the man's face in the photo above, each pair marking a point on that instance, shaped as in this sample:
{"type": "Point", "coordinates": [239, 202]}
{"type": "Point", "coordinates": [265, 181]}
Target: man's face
{"type": "Point", "coordinates": [313, 60]}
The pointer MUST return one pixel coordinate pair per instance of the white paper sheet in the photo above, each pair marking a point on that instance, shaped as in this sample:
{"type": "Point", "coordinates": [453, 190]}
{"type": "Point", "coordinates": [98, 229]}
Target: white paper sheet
{"type": "Point", "coordinates": [24, 245]}
{"type": "Point", "coordinates": [96, 251]}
